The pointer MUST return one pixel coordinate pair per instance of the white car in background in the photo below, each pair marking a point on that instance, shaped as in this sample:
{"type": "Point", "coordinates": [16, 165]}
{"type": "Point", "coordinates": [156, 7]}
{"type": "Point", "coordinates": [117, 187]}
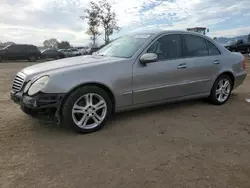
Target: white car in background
{"type": "Point", "coordinates": [74, 52]}
{"type": "Point", "coordinates": [65, 52]}
{"type": "Point", "coordinates": [81, 50]}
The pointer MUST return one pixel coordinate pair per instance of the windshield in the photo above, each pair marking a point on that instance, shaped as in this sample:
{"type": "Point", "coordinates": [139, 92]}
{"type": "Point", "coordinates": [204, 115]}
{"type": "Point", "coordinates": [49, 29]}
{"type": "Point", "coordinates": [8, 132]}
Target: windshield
{"type": "Point", "coordinates": [124, 47]}
{"type": "Point", "coordinates": [6, 47]}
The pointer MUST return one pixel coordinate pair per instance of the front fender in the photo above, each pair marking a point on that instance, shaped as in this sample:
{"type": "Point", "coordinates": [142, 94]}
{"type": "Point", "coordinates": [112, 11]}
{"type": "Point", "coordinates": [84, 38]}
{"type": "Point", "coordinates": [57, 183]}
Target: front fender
{"type": "Point", "coordinates": [115, 76]}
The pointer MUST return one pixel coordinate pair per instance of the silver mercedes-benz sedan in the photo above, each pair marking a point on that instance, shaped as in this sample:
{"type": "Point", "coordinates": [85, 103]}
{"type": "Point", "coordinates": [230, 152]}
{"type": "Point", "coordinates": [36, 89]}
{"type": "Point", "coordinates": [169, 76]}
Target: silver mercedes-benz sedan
{"type": "Point", "coordinates": [133, 71]}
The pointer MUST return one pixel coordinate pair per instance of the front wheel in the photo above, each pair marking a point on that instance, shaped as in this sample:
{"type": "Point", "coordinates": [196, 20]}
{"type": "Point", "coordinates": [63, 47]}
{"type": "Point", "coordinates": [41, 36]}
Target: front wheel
{"type": "Point", "coordinates": [221, 90]}
{"type": "Point", "coordinates": [86, 109]}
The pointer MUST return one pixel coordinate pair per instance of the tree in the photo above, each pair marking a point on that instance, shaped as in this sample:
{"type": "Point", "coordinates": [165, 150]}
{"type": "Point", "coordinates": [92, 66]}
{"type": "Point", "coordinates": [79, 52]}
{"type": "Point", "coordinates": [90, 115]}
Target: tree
{"type": "Point", "coordinates": [92, 15]}
{"type": "Point", "coordinates": [7, 43]}
{"type": "Point", "coordinates": [51, 43]}
{"type": "Point", "coordinates": [215, 38]}
{"type": "Point", "coordinates": [108, 20]}
{"type": "Point", "coordinates": [248, 38]}
{"type": "Point", "coordinates": [64, 45]}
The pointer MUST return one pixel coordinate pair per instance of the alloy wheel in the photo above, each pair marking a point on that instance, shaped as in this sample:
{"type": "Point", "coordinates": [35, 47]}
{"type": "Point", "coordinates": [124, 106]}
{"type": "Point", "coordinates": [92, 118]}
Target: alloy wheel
{"type": "Point", "coordinates": [223, 90]}
{"type": "Point", "coordinates": [89, 111]}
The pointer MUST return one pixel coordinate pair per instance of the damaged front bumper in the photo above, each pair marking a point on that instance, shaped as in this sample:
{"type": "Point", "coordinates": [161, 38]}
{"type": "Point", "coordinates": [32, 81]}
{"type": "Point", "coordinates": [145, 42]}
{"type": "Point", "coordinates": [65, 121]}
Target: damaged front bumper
{"type": "Point", "coordinates": [46, 103]}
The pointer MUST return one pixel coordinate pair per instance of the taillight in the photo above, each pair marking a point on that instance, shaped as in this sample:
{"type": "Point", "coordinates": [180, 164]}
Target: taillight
{"type": "Point", "coordinates": [244, 65]}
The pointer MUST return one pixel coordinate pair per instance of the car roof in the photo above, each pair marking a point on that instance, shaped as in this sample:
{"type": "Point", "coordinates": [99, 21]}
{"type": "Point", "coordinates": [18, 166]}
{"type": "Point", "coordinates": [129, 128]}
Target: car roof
{"type": "Point", "coordinates": [22, 45]}
{"type": "Point", "coordinates": [162, 32]}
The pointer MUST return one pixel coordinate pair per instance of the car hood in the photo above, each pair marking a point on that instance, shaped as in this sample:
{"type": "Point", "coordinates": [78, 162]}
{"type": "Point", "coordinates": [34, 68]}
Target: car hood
{"type": "Point", "coordinates": [68, 63]}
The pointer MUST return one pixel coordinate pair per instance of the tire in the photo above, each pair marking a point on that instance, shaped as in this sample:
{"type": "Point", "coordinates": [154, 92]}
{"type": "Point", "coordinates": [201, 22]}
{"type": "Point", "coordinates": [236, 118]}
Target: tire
{"type": "Point", "coordinates": [0, 59]}
{"type": "Point", "coordinates": [32, 58]}
{"type": "Point", "coordinates": [90, 112]}
{"type": "Point", "coordinates": [216, 92]}
{"type": "Point", "coordinates": [248, 50]}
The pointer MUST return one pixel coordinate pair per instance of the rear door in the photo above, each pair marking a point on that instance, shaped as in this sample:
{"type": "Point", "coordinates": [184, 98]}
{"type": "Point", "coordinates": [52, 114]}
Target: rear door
{"type": "Point", "coordinates": [203, 62]}
{"type": "Point", "coordinates": [51, 53]}
{"type": "Point", "coordinates": [69, 52]}
{"type": "Point", "coordinates": [24, 52]}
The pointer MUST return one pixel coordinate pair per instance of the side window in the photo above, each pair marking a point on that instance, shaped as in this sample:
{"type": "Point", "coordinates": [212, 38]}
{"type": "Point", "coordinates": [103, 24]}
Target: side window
{"type": "Point", "coordinates": [194, 46]}
{"type": "Point", "coordinates": [14, 48]}
{"type": "Point", "coordinates": [35, 49]}
{"type": "Point", "coordinates": [166, 47]}
{"type": "Point", "coordinates": [24, 48]}
{"type": "Point", "coordinates": [30, 48]}
{"type": "Point", "coordinates": [213, 50]}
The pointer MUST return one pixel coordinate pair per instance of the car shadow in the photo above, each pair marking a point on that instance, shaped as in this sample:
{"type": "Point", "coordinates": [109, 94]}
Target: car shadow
{"type": "Point", "coordinates": [49, 124]}
{"type": "Point", "coordinates": [155, 110]}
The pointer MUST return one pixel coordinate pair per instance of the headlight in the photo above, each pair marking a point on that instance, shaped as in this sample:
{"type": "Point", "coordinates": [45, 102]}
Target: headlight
{"type": "Point", "coordinates": [38, 85]}
{"type": "Point", "coordinates": [27, 87]}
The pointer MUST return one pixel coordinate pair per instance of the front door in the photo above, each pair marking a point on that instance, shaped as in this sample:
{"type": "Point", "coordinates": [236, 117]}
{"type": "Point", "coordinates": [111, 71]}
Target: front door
{"type": "Point", "coordinates": [163, 79]}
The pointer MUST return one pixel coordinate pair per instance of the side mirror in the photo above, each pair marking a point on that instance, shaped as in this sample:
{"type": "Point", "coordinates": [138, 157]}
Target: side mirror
{"type": "Point", "coordinates": [148, 58]}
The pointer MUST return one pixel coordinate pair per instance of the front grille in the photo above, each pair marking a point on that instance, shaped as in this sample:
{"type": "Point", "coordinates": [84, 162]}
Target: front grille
{"type": "Point", "coordinates": [18, 82]}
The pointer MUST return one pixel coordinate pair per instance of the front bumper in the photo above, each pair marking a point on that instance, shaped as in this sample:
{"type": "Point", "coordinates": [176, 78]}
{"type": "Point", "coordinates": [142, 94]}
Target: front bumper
{"type": "Point", "coordinates": [41, 102]}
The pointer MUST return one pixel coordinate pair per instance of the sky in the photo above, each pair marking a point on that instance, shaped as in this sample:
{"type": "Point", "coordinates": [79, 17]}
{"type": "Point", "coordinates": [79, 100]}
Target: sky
{"type": "Point", "coordinates": [33, 21]}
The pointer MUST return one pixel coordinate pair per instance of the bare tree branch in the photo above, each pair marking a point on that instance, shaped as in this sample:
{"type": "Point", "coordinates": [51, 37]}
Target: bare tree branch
{"type": "Point", "coordinates": [92, 15]}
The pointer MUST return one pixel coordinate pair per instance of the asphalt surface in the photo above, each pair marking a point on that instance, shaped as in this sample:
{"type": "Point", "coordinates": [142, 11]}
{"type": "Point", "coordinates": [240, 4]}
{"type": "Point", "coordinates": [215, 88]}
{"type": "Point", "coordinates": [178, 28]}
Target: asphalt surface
{"type": "Point", "coordinates": [188, 144]}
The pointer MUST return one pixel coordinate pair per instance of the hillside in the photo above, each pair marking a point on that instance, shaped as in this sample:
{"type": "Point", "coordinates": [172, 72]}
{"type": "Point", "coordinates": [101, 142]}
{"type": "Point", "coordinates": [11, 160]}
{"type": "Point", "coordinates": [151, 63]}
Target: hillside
{"type": "Point", "coordinates": [226, 41]}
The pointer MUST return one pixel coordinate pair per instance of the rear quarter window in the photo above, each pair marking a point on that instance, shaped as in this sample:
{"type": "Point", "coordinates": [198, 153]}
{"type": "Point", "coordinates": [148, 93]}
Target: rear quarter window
{"type": "Point", "coordinates": [213, 50]}
{"type": "Point", "coordinates": [194, 46]}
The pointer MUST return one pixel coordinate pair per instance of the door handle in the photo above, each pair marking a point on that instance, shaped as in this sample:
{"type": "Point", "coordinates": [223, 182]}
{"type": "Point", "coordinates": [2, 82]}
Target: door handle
{"type": "Point", "coordinates": [182, 66]}
{"type": "Point", "coordinates": [217, 62]}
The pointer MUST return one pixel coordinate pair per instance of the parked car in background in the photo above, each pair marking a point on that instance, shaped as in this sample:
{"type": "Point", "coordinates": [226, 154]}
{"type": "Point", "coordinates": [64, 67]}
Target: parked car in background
{"type": "Point", "coordinates": [92, 50]}
{"type": "Point", "coordinates": [74, 52]}
{"type": "Point", "coordinates": [136, 70]}
{"type": "Point", "coordinates": [65, 52]}
{"type": "Point", "coordinates": [81, 50]}
{"type": "Point", "coordinates": [239, 46]}
{"type": "Point", "coordinates": [20, 52]}
{"type": "Point", "coordinates": [52, 54]}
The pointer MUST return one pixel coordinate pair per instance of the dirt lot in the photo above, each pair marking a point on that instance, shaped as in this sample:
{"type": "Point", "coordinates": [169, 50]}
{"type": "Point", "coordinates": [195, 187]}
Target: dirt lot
{"type": "Point", "coordinates": [186, 145]}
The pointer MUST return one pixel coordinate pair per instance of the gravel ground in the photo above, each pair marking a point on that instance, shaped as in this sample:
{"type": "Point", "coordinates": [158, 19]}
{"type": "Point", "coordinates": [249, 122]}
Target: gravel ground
{"type": "Point", "coordinates": [184, 145]}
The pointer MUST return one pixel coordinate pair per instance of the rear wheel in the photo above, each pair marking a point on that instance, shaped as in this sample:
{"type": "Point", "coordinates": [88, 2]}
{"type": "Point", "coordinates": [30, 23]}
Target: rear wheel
{"type": "Point", "coordinates": [86, 109]}
{"type": "Point", "coordinates": [32, 58]}
{"type": "Point", "coordinates": [221, 90]}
